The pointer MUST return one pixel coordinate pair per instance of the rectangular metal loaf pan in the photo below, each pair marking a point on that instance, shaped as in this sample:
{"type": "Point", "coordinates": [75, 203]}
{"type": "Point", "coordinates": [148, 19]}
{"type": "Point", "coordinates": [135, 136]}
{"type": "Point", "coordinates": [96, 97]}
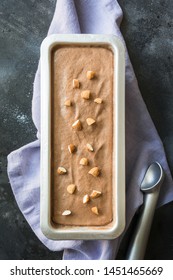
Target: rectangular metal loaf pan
{"type": "Point", "coordinates": [116, 226]}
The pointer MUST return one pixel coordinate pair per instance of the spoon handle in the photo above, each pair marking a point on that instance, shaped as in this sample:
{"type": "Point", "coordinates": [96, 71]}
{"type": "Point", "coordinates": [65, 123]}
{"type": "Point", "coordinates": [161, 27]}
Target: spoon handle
{"type": "Point", "coordinates": [137, 247]}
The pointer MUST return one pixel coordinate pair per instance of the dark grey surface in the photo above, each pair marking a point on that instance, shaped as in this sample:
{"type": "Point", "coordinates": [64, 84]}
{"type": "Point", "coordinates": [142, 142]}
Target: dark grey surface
{"type": "Point", "coordinates": [148, 32]}
{"type": "Point", "coordinates": [23, 25]}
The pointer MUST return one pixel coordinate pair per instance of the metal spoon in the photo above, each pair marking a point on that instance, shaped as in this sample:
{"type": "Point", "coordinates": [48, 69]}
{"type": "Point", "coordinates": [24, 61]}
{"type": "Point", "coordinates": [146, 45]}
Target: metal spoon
{"type": "Point", "coordinates": [151, 187]}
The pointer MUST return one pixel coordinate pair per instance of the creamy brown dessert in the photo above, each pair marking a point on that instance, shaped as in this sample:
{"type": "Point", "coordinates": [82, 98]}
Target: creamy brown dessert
{"type": "Point", "coordinates": [82, 135]}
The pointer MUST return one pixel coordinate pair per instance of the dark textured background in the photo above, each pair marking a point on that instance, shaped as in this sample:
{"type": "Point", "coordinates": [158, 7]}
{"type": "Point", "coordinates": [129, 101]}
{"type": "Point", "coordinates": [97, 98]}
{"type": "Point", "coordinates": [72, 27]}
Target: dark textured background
{"type": "Point", "coordinates": [147, 29]}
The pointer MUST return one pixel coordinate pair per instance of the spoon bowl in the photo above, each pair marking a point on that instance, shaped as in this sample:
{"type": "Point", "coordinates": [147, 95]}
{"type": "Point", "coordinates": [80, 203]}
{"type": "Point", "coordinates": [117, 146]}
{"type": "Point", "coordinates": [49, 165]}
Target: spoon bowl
{"type": "Point", "coordinates": [153, 177]}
